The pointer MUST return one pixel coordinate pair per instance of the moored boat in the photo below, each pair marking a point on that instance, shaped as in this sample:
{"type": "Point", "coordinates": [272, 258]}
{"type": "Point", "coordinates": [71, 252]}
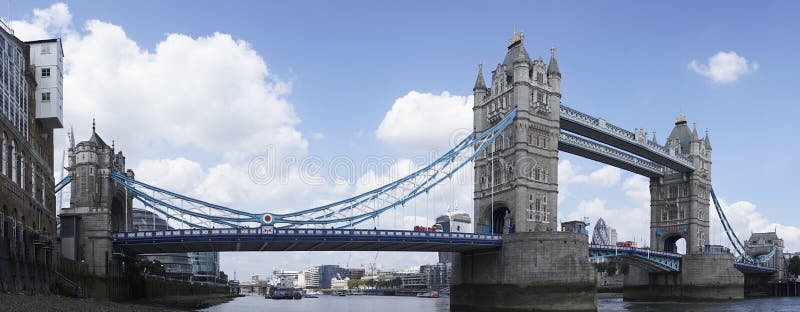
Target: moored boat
{"type": "Point", "coordinates": [428, 294]}
{"type": "Point", "coordinates": [311, 294]}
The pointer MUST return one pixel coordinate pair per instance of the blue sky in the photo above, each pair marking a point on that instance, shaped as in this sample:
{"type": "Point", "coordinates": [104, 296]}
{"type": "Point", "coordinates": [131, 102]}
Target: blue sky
{"type": "Point", "coordinates": [345, 65]}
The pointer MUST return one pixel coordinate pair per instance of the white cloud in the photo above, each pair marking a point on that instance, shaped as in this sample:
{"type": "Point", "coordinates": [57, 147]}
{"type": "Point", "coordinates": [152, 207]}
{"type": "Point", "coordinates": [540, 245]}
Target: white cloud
{"type": "Point", "coordinates": [724, 67]}
{"type": "Point", "coordinates": [212, 92]}
{"type": "Point", "coordinates": [745, 220]}
{"type": "Point", "coordinates": [55, 19]}
{"type": "Point", "coordinates": [180, 174]}
{"type": "Point", "coordinates": [637, 188]}
{"type": "Point", "coordinates": [425, 121]}
{"type": "Point", "coordinates": [569, 174]}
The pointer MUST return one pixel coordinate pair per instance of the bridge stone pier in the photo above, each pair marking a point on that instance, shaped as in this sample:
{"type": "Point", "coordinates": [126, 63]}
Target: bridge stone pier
{"type": "Point", "coordinates": [516, 189]}
{"type": "Point", "coordinates": [98, 206]}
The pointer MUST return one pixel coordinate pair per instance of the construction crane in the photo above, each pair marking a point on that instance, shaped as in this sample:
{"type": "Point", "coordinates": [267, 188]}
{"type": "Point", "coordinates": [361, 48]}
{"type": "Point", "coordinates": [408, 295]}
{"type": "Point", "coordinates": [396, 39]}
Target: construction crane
{"type": "Point", "coordinates": [373, 267]}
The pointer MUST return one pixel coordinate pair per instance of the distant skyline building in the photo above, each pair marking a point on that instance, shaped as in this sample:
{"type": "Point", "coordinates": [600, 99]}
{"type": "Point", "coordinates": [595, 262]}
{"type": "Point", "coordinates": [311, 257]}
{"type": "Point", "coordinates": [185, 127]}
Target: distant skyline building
{"type": "Point", "coordinates": [330, 271]}
{"type": "Point", "coordinates": [604, 234]}
{"type": "Point", "coordinates": [194, 266]}
{"type": "Point", "coordinates": [177, 265]}
{"type": "Point", "coordinates": [311, 275]}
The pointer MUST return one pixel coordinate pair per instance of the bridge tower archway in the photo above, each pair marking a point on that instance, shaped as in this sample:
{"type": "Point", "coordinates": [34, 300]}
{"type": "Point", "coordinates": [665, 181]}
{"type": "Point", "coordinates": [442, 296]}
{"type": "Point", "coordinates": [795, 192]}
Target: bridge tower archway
{"type": "Point", "coordinates": [674, 244]}
{"type": "Point", "coordinates": [502, 220]}
{"type": "Point", "coordinates": [117, 212]}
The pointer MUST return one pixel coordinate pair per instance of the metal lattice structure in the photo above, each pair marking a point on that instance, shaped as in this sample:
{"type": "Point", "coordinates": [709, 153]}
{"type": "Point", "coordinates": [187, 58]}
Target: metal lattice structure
{"type": "Point", "coordinates": [742, 252]}
{"type": "Point", "coordinates": [347, 213]}
{"type": "Point", "coordinates": [654, 260]}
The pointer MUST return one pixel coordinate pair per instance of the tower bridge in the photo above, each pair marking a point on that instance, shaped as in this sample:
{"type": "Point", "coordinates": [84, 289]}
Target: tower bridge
{"type": "Point", "coordinates": [515, 260]}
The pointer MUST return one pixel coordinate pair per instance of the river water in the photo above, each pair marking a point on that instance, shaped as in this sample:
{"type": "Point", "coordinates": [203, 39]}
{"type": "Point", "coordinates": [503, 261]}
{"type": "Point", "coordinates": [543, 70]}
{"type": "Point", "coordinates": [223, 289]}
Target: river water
{"type": "Point", "coordinates": [406, 304]}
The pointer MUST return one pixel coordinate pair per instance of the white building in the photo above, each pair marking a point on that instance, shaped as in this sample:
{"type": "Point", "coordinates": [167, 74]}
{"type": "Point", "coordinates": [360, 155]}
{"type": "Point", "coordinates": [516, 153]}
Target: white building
{"type": "Point", "coordinates": [47, 59]}
{"type": "Point", "coordinates": [612, 235]}
{"type": "Point", "coordinates": [311, 276]}
{"type": "Point", "coordinates": [339, 284]}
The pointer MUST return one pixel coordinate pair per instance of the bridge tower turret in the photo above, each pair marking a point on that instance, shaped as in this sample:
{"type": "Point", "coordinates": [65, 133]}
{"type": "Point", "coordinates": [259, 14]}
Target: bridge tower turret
{"type": "Point", "coordinates": [98, 207]}
{"type": "Point", "coordinates": [479, 93]}
{"type": "Point", "coordinates": [516, 196]}
{"type": "Point", "coordinates": [553, 74]}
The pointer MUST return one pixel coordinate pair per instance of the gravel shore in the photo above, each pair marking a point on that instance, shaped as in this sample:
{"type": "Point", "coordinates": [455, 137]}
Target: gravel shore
{"type": "Point", "coordinates": [25, 303]}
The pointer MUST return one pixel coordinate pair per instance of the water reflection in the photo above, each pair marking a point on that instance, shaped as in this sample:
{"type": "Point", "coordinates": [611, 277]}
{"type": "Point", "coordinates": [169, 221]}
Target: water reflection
{"type": "Point", "coordinates": [405, 304]}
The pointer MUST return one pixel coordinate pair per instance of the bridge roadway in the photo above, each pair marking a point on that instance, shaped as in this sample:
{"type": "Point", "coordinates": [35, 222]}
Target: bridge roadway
{"type": "Point", "coordinates": [269, 239]}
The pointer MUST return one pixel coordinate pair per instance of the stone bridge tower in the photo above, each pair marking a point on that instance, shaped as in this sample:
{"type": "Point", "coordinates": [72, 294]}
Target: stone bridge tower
{"type": "Point", "coordinates": [98, 206]}
{"type": "Point", "coordinates": [679, 205]}
{"type": "Point", "coordinates": [679, 202]}
{"type": "Point", "coordinates": [516, 193]}
{"type": "Point", "coordinates": [516, 186]}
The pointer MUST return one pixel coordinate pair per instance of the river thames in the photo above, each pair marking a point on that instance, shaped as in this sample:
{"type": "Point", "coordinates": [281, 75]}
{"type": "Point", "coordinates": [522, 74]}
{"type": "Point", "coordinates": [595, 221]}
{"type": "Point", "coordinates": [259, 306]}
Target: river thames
{"type": "Point", "coordinates": [405, 304]}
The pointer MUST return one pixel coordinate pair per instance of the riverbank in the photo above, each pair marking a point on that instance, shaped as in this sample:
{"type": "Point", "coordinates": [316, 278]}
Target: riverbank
{"type": "Point", "coordinates": [25, 303]}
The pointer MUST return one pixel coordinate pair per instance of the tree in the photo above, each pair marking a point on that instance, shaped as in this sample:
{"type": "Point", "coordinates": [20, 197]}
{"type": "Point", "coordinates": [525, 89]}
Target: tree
{"type": "Point", "coordinates": [154, 267]}
{"type": "Point", "coordinates": [611, 270]}
{"type": "Point", "coordinates": [625, 268]}
{"type": "Point", "coordinates": [794, 265]}
{"type": "Point", "coordinates": [223, 276]}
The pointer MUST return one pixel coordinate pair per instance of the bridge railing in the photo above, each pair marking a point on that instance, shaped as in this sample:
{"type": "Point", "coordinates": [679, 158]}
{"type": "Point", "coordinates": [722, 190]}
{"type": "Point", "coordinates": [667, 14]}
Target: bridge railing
{"type": "Point", "coordinates": [600, 124]}
{"type": "Point", "coordinates": [304, 232]}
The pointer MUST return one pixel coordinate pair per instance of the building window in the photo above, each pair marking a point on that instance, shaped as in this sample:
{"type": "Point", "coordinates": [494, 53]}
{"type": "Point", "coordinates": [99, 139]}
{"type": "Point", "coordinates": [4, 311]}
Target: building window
{"type": "Point", "coordinates": [33, 181]}
{"type": "Point", "coordinates": [539, 77]}
{"type": "Point", "coordinates": [544, 209]}
{"type": "Point", "coordinates": [46, 72]}
{"type": "Point", "coordinates": [22, 173]}
{"type": "Point", "coordinates": [14, 161]}
{"type": "Point", "coordinates": [46, 96]}
{"type": "Point", "coordinates": [4, 160]}
{"type": "Point", "coordinates": [46, 49]}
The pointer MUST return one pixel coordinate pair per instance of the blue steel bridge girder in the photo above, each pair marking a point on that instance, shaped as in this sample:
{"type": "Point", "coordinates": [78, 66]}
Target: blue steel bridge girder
{"type": "Point", "coordinates": [652, 260]}
{"type": "Point", "coordinates": [599, 130]}
{"type": "Point", "coordinates": [595, 151]}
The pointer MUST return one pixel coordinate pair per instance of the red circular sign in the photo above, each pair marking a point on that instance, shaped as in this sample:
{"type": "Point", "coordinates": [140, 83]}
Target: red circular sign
{"type": "Point", "coordinates": [267, 218]}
